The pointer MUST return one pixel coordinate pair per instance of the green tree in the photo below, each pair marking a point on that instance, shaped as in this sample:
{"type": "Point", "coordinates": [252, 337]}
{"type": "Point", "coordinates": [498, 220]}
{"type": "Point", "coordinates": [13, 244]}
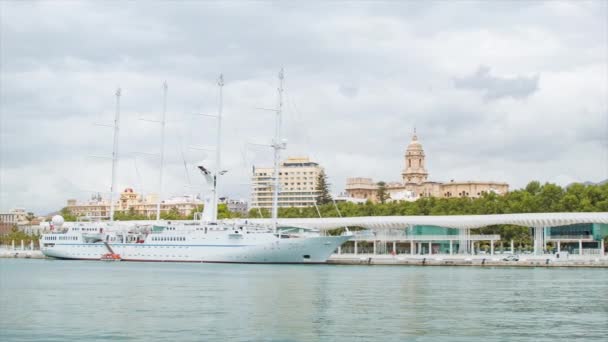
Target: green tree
{"type": "Point", "coordinates": [323, 196]}
{"type": "Point", "coordinates": [382, 194]}
{"type": "Point", "coordinates": [30, 216]}
{"type": "Point", "coordinates": [67, 215]}
{"type": "Point", "coordinates": [199, 209]}
{"type": "Point", "coordinates": [533, 187]}
{"type": "Point", "coordinates": [16, 235]}
{"type": "Point", "coordinates": [260, 213]}
{"type": "Point", "coordinates": [550, 197]}
{"type": "Point", "coordinates": [224, 213]}
{"type": "Point", "coordinates": [569, 202]}
{"type": "Point", "coordinates": [172, 214]}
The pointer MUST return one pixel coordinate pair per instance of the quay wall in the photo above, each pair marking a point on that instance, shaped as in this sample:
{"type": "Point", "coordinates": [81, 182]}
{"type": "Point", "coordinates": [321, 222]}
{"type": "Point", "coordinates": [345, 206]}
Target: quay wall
{"type": "Point", "coordinates": [21, 253]}
{"type": "Point", "coordinates": [463, 260]}
{"type": "Point", "coordinates": [460, 260]}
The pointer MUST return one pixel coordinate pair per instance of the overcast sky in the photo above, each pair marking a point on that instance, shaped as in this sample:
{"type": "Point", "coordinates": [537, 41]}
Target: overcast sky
{"type": "Point", "coordinates": [498, 90]}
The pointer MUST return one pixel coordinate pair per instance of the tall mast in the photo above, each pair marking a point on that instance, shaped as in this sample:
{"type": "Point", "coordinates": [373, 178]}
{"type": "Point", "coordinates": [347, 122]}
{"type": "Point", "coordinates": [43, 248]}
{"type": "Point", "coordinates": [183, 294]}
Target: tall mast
{"type": "Point", "coordinates": [115, 153]}
{"type": "Point", "coordinates": [162, 150]}
{"type": "Point", "coordinates": [218, 155]}
{"type": "Point", "coordinates": [277, 146]}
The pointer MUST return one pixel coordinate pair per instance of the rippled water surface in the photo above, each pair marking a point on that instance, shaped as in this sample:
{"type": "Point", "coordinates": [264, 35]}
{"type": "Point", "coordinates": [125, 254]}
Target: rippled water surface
{"type": "Point", "coordinates": [54, 300]}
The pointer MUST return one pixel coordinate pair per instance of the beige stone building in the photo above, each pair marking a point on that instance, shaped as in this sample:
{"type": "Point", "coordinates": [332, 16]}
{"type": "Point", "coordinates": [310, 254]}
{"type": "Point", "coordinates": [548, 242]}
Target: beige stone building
{"type": "Point", "coordinates": [298, 182]}
{"type": "Point", "coordinates": [131, 201]}
{"type": "Point", "coordinates": [16, 216]}
{"type": "Point", "coordinates": [415, 184]}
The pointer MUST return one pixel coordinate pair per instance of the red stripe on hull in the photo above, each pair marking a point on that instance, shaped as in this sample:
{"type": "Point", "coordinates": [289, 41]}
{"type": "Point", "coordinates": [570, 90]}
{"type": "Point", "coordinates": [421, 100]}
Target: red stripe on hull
{"type": "Point", "coordinates": [203, 262]}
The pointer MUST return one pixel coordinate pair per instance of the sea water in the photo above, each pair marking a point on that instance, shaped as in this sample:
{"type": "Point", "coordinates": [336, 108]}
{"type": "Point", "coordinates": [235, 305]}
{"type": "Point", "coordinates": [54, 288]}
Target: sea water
{"type": "Point", "coordinates": [53, 300]}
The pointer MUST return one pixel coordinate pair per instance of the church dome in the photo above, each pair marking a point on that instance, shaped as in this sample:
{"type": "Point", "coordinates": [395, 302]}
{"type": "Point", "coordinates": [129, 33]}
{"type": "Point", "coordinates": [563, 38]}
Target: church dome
{"type": "Point", "coordinates": [414, 171]}
{"type": "Point", "coordinates": [414, 145]}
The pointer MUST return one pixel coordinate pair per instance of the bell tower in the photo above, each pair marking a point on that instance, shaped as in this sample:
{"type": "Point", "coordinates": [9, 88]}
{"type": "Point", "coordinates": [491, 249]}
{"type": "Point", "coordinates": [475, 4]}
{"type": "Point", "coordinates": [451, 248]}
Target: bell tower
{"type": "Point", "coordinates": [414, 171]}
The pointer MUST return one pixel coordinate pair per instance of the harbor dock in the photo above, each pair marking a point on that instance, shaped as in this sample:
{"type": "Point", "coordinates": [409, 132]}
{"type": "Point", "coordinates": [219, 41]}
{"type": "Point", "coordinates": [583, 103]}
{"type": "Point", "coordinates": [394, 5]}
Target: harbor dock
{"type": "Point", "coordinates": [468, 260]}
{"type": "Point", "coordinates": [19, 253]}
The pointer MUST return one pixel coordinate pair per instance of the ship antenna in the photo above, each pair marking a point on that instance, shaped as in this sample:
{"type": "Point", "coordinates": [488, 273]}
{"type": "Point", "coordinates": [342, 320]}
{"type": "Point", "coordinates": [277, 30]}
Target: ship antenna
{"type": "Point", "coordinates": [162, 149]}
{"type": "Point", "coordinates": [218, 155]}
{"type": "Point", "coordinates": [277, 145]}
{"type": "Point", "coordinates": [115, 153]}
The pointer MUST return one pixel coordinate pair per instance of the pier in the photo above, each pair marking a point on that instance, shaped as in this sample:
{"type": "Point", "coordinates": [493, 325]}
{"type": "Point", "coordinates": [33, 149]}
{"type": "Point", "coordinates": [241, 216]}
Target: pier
{"type": "Point", "coordinates": [468, 260]}
{"type": "Point", "coordinates": [20, 251]}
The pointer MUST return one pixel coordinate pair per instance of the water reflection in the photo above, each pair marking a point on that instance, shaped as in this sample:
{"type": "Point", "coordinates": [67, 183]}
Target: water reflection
{"type": "Point", "coordinates": [71, 300]}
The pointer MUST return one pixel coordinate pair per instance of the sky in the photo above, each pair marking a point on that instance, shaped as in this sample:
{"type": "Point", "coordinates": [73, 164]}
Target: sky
{"type": "Point", "coordinates": [497, 90]}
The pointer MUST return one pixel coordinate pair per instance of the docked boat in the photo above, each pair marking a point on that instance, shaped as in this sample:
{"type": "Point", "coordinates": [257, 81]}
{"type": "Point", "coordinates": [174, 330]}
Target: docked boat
{"type": "Point", "coordinates": [238, 242]}
{"type": "Point", "coordinates": [205, 240]}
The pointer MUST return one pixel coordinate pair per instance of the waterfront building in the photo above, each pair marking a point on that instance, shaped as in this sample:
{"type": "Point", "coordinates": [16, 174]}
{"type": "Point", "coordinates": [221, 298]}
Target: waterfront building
{"type": "Point", "coordinates": [298, 183]}
{"type": "Point", "coordinates": [343, 197]}
{"type": "Point", "coordinates": [579, 238]}
{"type": "Point", "coordinates": [133, 202]}
{"type": "Point", "coordinates": [579, 234]}
{"type": "Point", "coordinates": [414, 182]}
{"type": "Point", "coordinates": [6, 228]}
{"type": "Point", "coordinates": [236, 206]}
{"type": "Point", "coordinates": [16, 216]}
{"type": "Point", "coordinates": [575, 239]}
{"type": "Point", "coordinates": [419, 240]}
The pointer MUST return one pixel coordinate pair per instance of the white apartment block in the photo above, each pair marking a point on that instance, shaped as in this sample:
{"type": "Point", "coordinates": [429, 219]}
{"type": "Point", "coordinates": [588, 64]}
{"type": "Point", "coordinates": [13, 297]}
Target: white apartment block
{"type": "Point", "coordinates": [297, 184]}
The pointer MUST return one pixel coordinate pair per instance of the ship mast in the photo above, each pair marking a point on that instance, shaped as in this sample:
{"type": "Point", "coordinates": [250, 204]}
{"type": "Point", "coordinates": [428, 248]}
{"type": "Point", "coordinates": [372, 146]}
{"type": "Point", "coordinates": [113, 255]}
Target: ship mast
{"type": "Point", "coordinates": [115, 153]}
{"type": "Point", "coordinates": [218, 155]}
{"type": "Point", "coordinates": [162, 150]}
{"type": "Point", "coordinates": [277, 145]}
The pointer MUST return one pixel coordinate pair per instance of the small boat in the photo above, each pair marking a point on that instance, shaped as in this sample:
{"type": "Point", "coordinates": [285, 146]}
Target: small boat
{"type": "Point", "coordinates": [110, 257]}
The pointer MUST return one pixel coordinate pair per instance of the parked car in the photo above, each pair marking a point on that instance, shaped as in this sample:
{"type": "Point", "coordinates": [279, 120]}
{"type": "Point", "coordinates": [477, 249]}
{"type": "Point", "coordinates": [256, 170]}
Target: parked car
{"type": "Point", "coordinates": [512, 257]}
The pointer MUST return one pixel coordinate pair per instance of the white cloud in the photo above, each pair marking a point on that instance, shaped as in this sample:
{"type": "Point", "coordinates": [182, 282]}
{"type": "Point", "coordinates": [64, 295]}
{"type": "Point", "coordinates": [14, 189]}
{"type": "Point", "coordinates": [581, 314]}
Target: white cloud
{"type": "Point", "coordinates": [359, 78]}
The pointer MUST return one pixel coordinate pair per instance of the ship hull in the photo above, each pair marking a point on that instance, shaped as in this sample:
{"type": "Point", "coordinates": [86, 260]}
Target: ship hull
{"type": "Point", "coordinates": [281, 251]}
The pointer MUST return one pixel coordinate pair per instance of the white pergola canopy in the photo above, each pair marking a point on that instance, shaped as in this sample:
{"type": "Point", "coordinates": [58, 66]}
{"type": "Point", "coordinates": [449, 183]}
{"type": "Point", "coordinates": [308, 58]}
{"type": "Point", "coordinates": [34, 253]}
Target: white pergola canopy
{"type": "Point", "coordinates": [537, 220]}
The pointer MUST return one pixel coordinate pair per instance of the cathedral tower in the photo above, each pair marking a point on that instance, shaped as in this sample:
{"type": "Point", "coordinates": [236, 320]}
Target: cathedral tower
{"type": "Point", "coordinates": [414, 171]}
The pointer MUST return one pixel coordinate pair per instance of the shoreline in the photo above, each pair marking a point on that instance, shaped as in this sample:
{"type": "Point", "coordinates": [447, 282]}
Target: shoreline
{"type": "Point", "coordinates": [21, 254]}
{"type": "Point", "coordinates": [467, 260]}
{"type": "Point", "coordinates": [389, 260]}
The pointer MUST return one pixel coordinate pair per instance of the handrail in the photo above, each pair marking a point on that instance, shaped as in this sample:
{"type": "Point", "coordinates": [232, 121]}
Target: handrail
{"type": "Point", "coordinates": [410, 237]}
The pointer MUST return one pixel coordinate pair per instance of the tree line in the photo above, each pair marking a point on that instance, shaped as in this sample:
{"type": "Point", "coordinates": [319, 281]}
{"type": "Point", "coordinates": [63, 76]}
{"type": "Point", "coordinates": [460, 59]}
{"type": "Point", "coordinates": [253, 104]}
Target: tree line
{"type": "Point", "coordinates": [535, 197]}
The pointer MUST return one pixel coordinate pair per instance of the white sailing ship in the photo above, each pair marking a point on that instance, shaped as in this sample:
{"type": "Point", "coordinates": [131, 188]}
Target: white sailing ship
{"type": "Point", "coordinates": [205, 240]}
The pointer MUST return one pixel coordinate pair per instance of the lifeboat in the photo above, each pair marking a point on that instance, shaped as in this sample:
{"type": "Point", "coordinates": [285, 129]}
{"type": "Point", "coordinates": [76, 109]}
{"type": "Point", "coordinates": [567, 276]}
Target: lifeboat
{"type": "Point", "coordinates": [110, 257]}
